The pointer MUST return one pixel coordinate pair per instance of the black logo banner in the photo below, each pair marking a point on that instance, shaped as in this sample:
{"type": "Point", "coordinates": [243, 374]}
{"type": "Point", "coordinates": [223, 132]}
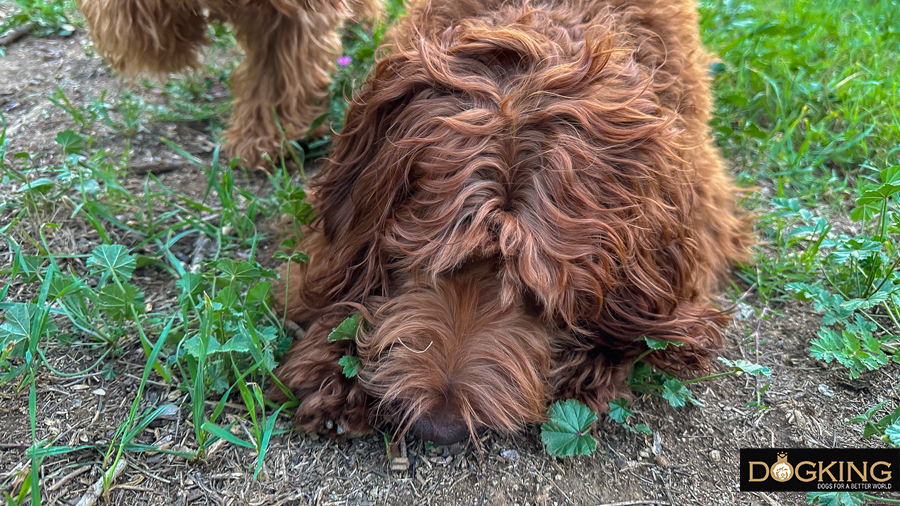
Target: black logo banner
{"type": "Point", "coordinates": [820, 469]}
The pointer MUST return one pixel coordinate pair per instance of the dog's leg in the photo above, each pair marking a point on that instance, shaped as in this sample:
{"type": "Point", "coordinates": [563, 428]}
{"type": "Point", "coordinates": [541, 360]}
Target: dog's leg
{"type": "Point", "coordinates": [155, 36]}
{"type": "Point", "coordinates": [329, 401]}
{"type": "Point", "coordinates": [285, 75]}
{"type": "Point", "coordinates": [598, 372]}
{"type": "Point", "coordinates": [592, 375]}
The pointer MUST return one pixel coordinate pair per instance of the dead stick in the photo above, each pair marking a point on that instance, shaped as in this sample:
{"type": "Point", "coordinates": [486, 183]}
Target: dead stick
{"type": "Point", "coordinates": [65, 479]}
{"type": "Point", "coordinates": [96, 490]}
{"type": "Point", "coordinates": [16, 34]}
{"type": "Point", "coordinates": [648, 502]}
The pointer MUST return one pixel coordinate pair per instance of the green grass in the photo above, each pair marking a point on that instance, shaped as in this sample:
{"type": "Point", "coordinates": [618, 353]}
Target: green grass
{"type": "Point", "coordinates": [806, 113]}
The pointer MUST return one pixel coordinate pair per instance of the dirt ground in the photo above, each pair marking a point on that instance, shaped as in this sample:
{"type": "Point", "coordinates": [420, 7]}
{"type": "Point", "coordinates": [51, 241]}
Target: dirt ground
{"type": "Point", "coordinates": [692, 458]}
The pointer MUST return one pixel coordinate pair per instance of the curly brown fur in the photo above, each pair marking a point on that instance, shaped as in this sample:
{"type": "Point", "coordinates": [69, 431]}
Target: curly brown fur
{"type": "Point", "coordinates": [564, 143]}
{"type": "Point", "coordinates": [289, 45]}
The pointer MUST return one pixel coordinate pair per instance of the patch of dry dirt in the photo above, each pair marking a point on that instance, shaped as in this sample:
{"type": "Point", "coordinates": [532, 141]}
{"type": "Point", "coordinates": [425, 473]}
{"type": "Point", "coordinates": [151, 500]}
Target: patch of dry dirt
{"type": "Point", "coordinates": [692, 459]}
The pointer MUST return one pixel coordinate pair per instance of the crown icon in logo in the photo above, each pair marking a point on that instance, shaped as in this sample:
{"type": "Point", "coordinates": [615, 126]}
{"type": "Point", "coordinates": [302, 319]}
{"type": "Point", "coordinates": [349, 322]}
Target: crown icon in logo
{"type": "Point", "coordinates": [781, 470]}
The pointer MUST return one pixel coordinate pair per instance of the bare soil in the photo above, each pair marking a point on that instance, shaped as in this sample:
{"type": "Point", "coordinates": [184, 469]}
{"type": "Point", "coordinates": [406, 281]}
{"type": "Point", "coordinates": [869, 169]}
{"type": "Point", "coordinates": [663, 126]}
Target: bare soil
{"type": "Point", "coordinates": [692, 458]}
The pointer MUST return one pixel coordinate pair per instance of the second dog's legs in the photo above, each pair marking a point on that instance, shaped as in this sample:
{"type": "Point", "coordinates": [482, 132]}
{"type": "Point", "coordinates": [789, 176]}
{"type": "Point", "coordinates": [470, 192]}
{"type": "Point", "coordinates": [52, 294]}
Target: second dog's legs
{"type": "Point", "coordinates": [137, 36]}
{"type": "Point", "coordinates": [286, 73]}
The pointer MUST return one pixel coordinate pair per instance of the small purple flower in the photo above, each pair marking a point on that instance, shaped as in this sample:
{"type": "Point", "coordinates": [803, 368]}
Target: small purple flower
{"type": "Point", "coordinates": [343, 61]}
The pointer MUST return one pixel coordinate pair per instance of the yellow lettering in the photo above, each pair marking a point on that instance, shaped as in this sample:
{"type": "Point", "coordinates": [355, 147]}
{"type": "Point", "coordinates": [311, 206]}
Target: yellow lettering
{"type": "Point", "coordinates": [885, 476]}
{"type": "Point", "coordinates": [811, 473]}
{"type": "Point", "coordinates": [852, 467]}
{"type": "Point", "coordinates": [826, 469]}
{"type": "Point", "coordinates": [764, 466]}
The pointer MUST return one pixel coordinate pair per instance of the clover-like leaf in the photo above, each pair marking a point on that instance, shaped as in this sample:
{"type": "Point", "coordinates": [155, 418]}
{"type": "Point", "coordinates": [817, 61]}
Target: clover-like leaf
{"type": "Point", "coordinates": [676, 393]}
{"type": "Point", "coordinates": [836, 498]}
{"type": "Point", "coordinates": [346, 330]}
{"type": "Point", "coordinates": [618, 411]}
{"type": "Point", "coordinates": [16, 326]}
{"type": "Point", "coordinates": [351, 365]}
{"type": "Point", "coordinates": [243, 272]}
{"type": "Point", "coordinates": [297, 257]}
{"type": "Point", "coordinates": [747, 367]}
{"type": "Point", "coordinates": [893, 434]}
{"type": "Point", "coordinates": [640, 429]}
{"type": "Point", "coordinates": [191, 284]}
{"type": "Point", "coordinates": [567, 432]}
{"type": "Point", "coordinates": [659, 344]}
{"type": "Point", "coordinates": [112, 259]}
{"type": "Point", "coordinates": [119, 303]}
{"type": "Point", "coordinates": [70, 141]}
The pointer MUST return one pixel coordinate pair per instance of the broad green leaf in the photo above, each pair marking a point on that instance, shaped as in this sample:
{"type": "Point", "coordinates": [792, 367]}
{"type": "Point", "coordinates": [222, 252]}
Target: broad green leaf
{"type": "Point", "coordinates": [641, 429]}
{"type": "Point", "coordinates": [836, 498]}
{"type": "Point", "coordinates": [893, 433]}
{"type": "Point", "coordinates": [16, 325]}
{"type": "Point", "coordinates": [351, 365]}
{"type": "Point", "coordinates": [70, 141]}
{"type": "Point", "coordinates": [659, 344]}
{"type": "Point", "coordinates": [112, 259]}
{"type": "Point", "coordinates": [191, 284]}
{"type": "Point", "coordinates": [242, 272]}
{"type": "Point", "coordinates": [747, 367]}
{"type": "Point", "coordinates": [865, 417]}
{"type": "Point", "coordinates": [676, 393]}
{"type": "Point", "coordinates": [567, 432]}
{"type": "Point", "coordinates": [227, 297]}
{"type": "Point", "coordinates": [259, 293]}
{"type": "Point", "coordinates": [346, 330]}
{"type": "Point", "coordinates": [618, 411]}
{"type": "Point", "coordinates": [117, 302]}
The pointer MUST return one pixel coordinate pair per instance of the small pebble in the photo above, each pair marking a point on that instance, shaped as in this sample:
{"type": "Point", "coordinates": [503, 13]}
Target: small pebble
{"type": "Point", "coordinates": [716, 455]}
{"type": "Point", "coordinates": [510, 454]}
{"type": "Point", "coordinates": [824, 390]}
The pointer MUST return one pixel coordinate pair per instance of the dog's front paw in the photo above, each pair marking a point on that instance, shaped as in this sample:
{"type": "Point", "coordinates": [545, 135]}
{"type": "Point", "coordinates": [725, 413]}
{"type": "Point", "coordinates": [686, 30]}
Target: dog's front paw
{"type": "Point", "coordinates": [330, 402]}
{"type": "Point", "coordinates": [339, 408]}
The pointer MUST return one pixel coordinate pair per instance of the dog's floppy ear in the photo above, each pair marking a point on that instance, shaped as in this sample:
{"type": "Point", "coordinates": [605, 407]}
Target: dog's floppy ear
{"type": "Point", "coordinates": [361, 180]}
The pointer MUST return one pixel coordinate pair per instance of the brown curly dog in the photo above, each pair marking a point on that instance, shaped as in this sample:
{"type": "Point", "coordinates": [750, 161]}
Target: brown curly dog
{"type": "Point", "coordinates": [522, 191]}
{"type": "Point", "coordinates": [290, 47]}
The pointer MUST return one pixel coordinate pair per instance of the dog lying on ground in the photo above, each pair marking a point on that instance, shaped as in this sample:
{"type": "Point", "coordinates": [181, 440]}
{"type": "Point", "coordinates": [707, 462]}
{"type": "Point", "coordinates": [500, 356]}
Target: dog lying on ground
{"type": "Point", "coordinates": [290, 48]}
{"type": "Point", "coordinates": [522, 191]}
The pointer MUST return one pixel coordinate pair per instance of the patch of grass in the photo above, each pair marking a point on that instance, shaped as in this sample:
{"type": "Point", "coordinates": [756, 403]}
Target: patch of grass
{"type": "Point", "coordinates": [805, 94]}
{"type": "Point", "coordinates": [46, 17]}
{"type": "Point", "coordinates": [806, 111]}
{"type": "Point", "coordinates": [220, 340]}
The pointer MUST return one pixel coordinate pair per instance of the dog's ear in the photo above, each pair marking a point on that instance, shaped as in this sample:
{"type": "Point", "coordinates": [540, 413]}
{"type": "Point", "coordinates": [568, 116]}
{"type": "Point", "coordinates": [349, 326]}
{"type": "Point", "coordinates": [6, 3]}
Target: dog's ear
{"type": "Point", "coordinates": [361, 180]}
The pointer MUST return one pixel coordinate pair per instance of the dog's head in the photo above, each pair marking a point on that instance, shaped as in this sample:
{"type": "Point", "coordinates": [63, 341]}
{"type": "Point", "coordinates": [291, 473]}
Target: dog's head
{"type": "Point", "coordinates": [520, 138]}
{"type": "Point", "coordinates": [446, 359]}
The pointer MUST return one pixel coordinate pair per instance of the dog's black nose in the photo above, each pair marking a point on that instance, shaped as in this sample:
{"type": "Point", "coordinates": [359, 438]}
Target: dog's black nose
{"type": "Point", "coordinates": [441, 430]}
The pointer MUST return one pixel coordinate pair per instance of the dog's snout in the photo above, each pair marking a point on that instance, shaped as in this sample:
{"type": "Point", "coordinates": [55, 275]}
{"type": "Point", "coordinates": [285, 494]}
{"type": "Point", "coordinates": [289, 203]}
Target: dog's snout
{"type": "Point", "coordinates": [441, 429]}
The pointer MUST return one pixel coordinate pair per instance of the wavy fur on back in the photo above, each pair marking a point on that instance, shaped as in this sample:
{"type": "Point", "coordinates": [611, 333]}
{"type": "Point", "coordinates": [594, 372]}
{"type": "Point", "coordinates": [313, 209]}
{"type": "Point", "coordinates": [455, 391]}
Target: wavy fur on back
{"type": "Point", "coordinates": [565, 145]}
{"type": "Point", "coordinates": [290, 47]}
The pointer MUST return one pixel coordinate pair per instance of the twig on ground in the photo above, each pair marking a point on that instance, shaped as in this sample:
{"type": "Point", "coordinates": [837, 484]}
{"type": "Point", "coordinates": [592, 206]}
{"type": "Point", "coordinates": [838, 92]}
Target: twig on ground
{"type": "Point", "coordinates": [96, 490]}
{"type": "Point", "coordinates": [639, 502]}
{"type": "Point", "coordinates": [16, 34]}
{"type": "Point", "coordinates": [156, 167]}
{"type": "Point", "coordinates": [14, 446]}
{"type": "Point", "coordinates": [65, 479]}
